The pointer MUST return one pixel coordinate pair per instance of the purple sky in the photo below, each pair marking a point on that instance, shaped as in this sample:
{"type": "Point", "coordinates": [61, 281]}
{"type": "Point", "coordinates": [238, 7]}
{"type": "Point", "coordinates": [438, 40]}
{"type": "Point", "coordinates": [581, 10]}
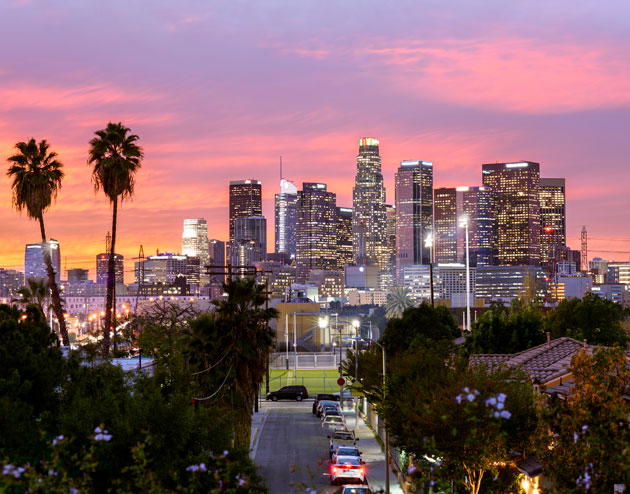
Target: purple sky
{"type": "Point", "coordinates": [219, 90]}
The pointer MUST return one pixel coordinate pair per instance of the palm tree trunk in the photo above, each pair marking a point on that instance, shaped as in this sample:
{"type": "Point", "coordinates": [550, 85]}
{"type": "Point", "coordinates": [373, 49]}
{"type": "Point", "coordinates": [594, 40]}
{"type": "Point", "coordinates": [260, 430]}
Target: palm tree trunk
{"type": "Point", "coordinates": [56, 299]}
{"type": "Point", "coordinates": [243, 424]}
{"type": "Point", "coordinates": [110, 316]}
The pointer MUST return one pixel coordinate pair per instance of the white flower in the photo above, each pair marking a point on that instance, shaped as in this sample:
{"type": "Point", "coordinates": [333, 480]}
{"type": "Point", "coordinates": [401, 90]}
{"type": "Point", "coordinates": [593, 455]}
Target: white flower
{"type": "Point", "coordinates": [225, 452]}
{"type": "Point", "coordinates": [98, 430]}
{"type": "Point", "coordinates": [458, 399]}
{"type": "Point", "coordinates": [8, 469]}
{"type": "Point", "coordinates": [470, 397]}
{"type": "Point", "coordinates": [500, 406]}
{"type": "Point", "coordinates": [575, 437]}
{"type": "Point", "coordinates": [241, 482]}
{"type": "Point", "coordinates": [57, 440]}
{"type": "Point", "coordinates": [501, 397]}
{"type": "Point", "coordinates": [52, 472]}
{"type": "Point", "coordinates": [491, 401]}
{"type": "Point", "coordinates": [192, 468]}
{"type": "Point", "coordinates": [202, 467]}
{"type": "Point", "coordinates": [466, 390]}
{"type": "Point", "coordinates": [505, 414]}
{"type": "Point", "coordinates": [584, 427]}
{"type": "Point", "coordinates": [74, 491]}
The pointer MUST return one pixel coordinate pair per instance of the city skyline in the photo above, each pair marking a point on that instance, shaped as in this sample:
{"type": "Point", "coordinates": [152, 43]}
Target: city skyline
{"type": "Point", "coordinates": [482, 98]}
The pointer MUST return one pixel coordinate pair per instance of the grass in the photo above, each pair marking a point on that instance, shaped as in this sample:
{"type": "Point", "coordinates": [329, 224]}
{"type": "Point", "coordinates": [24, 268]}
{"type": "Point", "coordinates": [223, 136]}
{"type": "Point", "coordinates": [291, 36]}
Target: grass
{"type": "Point", "coordinates": [315, 380]}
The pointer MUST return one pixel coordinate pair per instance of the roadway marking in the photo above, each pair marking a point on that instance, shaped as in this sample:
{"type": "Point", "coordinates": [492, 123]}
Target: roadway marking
{"type": "Point", "coordinates": [255, 441]}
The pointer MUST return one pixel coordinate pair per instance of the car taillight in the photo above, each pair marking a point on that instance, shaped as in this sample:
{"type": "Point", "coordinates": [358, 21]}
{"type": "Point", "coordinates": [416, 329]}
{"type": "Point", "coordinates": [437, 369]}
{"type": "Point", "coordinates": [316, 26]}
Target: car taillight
{"type": "Point", "coordinates": [334, 470]}
{"type": "Point", "coordinates": [362, 470]}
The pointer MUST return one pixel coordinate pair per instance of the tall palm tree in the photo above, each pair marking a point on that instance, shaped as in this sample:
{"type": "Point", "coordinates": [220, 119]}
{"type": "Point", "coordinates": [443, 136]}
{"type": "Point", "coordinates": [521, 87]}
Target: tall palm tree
{"type": "Point", "coordinates": [115, 158]}
{"type": "Point", "coordinates": [36, 174]}
{"type": "Point", "coordinates": [243, 317]}
{"type": "Point", "coordinates": [397, 302]}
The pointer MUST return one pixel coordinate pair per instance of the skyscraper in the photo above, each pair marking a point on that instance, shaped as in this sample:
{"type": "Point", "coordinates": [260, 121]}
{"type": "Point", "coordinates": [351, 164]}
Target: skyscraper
{"type": "Point", "coordinates": [369, 220]}
{"type": "Point", "coordinates": [344, 237]}
{"type": "Point", "coordinates": [216, 250]}
{"type": "Point", "coordinates": [285, 205]}
{"type": "Point", "coordinates": [77, 275]}
{"type": "Point", "coordinates": [102, 266]}
{"type": "Point", "coordinates": [515, 211]}
{"type": "Point", "coordinates": [195, 239]}
{"type": "Point", "coordinates": [315, 230]}
{"type": "Point", "coordinates": [414, 213]}
{"type": "Point", "coordinates": [245, 200]}
{"type": "Point", "coordinates": [450, 243]}
{"type": "Point", "coordinates": [553, 221]}
{"type": "Point", "coordinates": [34, 264]}
{"type": "Point", "coordinates": [250, 241]}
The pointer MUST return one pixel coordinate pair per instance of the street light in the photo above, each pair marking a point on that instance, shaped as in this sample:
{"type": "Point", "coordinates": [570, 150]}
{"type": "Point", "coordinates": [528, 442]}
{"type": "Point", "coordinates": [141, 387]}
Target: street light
{"type": "Point", "coordinates": [387, 459]}
{"type": "Point", "coordinates": [463, 223]}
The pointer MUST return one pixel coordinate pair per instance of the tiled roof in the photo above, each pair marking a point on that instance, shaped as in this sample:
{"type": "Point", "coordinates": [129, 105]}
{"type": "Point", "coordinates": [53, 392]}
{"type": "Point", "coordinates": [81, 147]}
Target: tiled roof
{"type": "Point", "coordinates": [542, 363]}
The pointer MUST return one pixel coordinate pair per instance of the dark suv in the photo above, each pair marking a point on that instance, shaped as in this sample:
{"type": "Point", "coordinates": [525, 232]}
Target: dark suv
{"type": "Point", "coordinates": [298, 393]}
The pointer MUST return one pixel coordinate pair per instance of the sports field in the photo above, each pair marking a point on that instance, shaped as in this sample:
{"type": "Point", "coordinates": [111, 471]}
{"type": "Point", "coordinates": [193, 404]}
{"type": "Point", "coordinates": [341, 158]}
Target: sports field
{"type": "Point", "coordinates": [315, 380]}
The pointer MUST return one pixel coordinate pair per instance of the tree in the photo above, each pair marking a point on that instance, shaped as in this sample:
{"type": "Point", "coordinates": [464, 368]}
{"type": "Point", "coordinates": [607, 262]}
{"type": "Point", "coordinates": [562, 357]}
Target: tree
{"type": "Point", "coordinates": [36, 174]}
{"type": "Point", "coordinates": [34, 293]}
{"type": "Point", "coordinates": [418, 325]}
{"type": "Point", "coordinates": [597, 320]}
{"type": "Point", "coordinates": [249, 339]}
{"type": "Point", "coordinates": [468, 419]}
{"type": "Point", "coordinates": [499, 330]}
{"type": "Point", "coordinates": [585, 438]}
{"type": "Point", "coordinates": [397, 302]}
{"type": "Point", "coordinates": [115, 158]}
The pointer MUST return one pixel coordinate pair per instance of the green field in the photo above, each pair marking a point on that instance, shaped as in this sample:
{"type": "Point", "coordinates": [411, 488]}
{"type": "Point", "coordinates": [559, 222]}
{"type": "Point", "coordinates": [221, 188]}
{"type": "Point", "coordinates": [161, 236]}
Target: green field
{"type": "Point", "coordinates": [315, 380]}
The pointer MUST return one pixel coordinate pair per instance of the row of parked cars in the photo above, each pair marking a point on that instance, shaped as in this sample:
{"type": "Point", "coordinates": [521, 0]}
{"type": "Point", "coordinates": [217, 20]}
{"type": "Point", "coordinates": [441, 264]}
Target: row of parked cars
{"type": "Point", "coordinates": [346, 464]}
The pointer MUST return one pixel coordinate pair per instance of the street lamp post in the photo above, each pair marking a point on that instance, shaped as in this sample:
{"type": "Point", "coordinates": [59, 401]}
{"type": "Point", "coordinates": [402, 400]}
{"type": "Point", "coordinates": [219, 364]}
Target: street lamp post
{"type": "Point", "coordinates": [463, 222]}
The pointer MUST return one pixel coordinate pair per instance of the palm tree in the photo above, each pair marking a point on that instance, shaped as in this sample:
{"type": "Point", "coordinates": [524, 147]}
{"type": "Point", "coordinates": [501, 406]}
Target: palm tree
{"type": "Point", "coordinates": [243, 317]}
{"type": "Point", "coordinates": [36, 175]}
{"type": "Point", "coordinates": [35, 292]}
{"type": "Point", "coordinates": [116, 158]}
{"type": "Point", "coordinates": [397, 302]}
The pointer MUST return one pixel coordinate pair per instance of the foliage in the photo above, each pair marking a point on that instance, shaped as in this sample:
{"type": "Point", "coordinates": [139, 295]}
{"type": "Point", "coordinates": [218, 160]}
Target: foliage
{"type": "Point", "coordinates": [36, 174]}
{"type": "Point", "coordinates": [156, 431]}
{"type": "Point", "coordinates": [116, 158]}
{"type": "Point", "coordinates": [597, 320]}
{"type": "Point", "coordinates": [467, 418]}
{"type": "Point", "coordinates": [34, 292]}
{"type": "Point", "coordinates": [397, 302]}
{"type": "Point", "coordinates": [501, 330]}
{"type": "Point", "coordinates": [418, 326]}
{"type": "Point", "coordinates": [590, 429]}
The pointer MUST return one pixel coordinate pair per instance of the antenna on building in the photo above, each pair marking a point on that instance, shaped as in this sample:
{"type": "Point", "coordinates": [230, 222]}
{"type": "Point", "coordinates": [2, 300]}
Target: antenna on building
{"type": "Point", "coordinates": [108, 243]}
{"type": "Point", "coordinates": [584, 251]}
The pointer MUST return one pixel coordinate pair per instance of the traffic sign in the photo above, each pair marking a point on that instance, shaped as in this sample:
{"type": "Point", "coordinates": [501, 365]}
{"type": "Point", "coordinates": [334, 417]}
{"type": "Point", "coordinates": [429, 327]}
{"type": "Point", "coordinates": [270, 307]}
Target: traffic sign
{"type": "Point", "coordinates": [341, 381]}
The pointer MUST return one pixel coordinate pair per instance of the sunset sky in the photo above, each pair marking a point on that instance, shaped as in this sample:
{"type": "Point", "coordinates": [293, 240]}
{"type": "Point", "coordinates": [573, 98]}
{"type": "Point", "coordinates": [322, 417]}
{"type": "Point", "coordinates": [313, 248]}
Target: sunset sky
{"type": "Point", "coordinates": [218, 90]}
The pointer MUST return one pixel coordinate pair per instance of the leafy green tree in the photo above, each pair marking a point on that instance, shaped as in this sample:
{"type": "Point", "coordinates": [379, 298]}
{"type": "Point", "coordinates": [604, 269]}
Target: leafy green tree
{"type": "Point", "coordinates": [585, 438]}
{"type": "Point", "coordinates": [35, 292]}
{"type": "Point", "coordinates": [466, 418]}
{"type": "Point", "coordinates": [397, 302]}
{"type": "Point", "coordinates": [418, 325]}
{"type": "Point", "coordinates": [115, 157]}
{"type": "Point", "coordinates": [36, 174]}
{"type": "Point", "coordinates": [245, 323]}
{"type": "Point", "coordinates": [597, 320]}
{"type": "Point", "coordinates": [31, 369]}
{"type": "Point", "coordinates": [501, 330]}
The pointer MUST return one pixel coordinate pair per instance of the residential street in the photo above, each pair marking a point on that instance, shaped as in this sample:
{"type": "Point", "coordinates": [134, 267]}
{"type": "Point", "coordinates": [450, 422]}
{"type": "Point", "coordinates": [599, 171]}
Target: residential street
{"type": "Point", "coordinates": [291, 449]}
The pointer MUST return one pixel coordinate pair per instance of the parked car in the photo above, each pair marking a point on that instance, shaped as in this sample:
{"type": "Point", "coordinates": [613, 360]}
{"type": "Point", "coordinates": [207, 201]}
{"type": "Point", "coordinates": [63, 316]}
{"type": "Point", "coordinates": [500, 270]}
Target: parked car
{"type": "Point", "coordinates": [324, 396]}
{"type": "Point", "coordinates": [346, 451]}
{"type": "Point", "coordinates": [347, 469]}
{"type": "Point", "coordinates": [329, 412]}
{"type": "Point", "coordinates": [298, 393]}
{"type": "Point", "coordinates": [355, 489]}
{"type": "Point", "coordinates": [334, 422]}
{"type": "Point", "coordinates": [325, 403]}
{"type": "Point", "coordinates": [339, 438]}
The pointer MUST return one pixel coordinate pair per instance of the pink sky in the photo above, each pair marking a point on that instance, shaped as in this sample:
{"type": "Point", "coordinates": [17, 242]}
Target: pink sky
{"type": "Point", "coordinates": [219, 90]}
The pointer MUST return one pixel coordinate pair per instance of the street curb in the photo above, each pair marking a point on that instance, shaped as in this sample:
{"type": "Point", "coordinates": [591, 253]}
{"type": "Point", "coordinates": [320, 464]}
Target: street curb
{"type": "Point", "coordinates": [254, 445]}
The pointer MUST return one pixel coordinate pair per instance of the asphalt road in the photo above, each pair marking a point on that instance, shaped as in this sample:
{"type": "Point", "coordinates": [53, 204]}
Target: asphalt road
{"type": "Point", "coordinates": [292, 449]}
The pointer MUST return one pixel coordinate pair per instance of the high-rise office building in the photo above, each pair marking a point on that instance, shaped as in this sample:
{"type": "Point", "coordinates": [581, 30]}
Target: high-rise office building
{"type": "Point", "coordinates": [391, 233]}
{"type": "Point", "coordinates": [285, 205]}
{"type": "Point", "coordinates": [11, 281]}
{"type": "Point", "coordinates": [451, 204]}
{"type": "Point", "coordinates": [414, 213]}
{"type": "Point", "coordinates": [77, 275]}
{"type": "Point", "coordinates": [369, 221]}
{"type": "Point", "coordinates": [102, 266]}
{"type": "Point", "coordinates": [250, 241]}
{"type": "Point", "coordinates": [515, 211]}
{"type": "Point", "coordinates": [316, 230]}
{"type": "Point", "coordinates": [245, 200]}
{"type": "Point", "coordinates": [553, 221]}
{"type": "Point", "coordinates": [195, 239]}
{"type": "Point", "coordinates": [34, 264]}
{"type": "Point", "coordinates": [344, 237]}
{"type": "Point", "coordinates": [216, 251]}
{"type": "Point", "coordinates": [163, 267]}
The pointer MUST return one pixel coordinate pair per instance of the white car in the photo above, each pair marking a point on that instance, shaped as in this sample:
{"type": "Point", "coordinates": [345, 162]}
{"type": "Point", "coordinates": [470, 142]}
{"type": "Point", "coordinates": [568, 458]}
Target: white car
{"type": "Point", "coordinates": [356, 489]}
{"type": "Point", "coordinates": [346, 451]}
{"type": "Point", "coordinates": [334, 422]}
{"type": "Point", "coordinates": [347, 469]}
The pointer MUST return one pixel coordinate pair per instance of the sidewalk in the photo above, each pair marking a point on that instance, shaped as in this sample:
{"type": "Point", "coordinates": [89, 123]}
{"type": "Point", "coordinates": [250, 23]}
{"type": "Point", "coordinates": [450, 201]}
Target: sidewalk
{"type": "Point", "coordinates": [373, 455]}
{"type": "Point", "coordinates": [258, 420]}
